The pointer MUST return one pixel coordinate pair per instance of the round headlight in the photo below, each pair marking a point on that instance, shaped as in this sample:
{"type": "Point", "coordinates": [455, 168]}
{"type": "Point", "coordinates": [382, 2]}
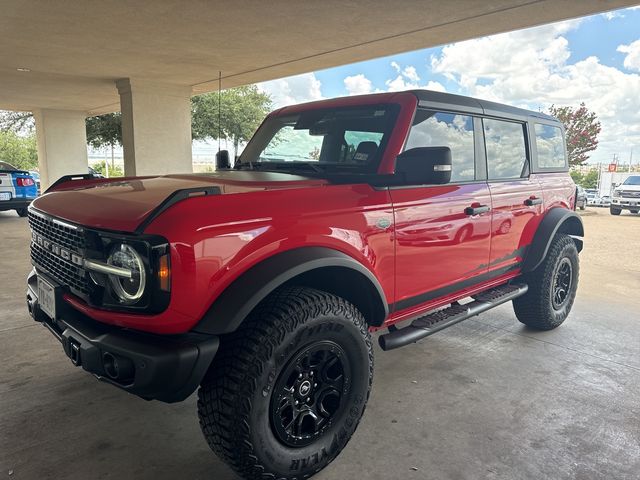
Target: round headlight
{"type": "Point", "coordinates": [128, 290]}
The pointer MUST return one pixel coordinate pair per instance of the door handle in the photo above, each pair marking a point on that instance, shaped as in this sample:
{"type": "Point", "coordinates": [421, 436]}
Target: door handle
{"type": "Point", "coordinates": [529, 202]}
{"type": "Point", "coordinates": [476, 209]}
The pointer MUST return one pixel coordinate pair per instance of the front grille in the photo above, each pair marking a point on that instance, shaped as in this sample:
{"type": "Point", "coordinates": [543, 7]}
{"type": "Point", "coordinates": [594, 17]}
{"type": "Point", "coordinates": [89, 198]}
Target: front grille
{"type": "Point", "coordinates": [62, 235]}
{"type": "Point", "coordinates": [629, 194]}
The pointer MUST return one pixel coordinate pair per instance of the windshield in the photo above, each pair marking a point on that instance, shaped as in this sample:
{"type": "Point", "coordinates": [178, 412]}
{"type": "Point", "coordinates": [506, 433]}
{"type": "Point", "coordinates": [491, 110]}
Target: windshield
{"type": "Point", "coordinates": [634, 180]}
{"type": "Point", "coordinates": [349, 139]}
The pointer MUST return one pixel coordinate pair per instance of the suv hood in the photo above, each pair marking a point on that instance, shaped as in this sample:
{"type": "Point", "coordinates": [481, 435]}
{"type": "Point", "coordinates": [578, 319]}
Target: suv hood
{"type": "Point", "coordinates": [627, 188]}
{"type": "Point", "coordinates": [123, 204]}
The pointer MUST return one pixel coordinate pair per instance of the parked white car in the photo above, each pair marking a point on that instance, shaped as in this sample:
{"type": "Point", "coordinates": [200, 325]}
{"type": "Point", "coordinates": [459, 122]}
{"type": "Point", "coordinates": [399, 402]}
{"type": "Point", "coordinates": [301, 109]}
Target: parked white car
{"type": "Point", "coordinates": [593, 200]}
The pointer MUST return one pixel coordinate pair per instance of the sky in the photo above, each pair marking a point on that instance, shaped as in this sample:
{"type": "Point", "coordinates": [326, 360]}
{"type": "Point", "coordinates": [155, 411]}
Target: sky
{"type": "Point", "coordinates": [595, 60]}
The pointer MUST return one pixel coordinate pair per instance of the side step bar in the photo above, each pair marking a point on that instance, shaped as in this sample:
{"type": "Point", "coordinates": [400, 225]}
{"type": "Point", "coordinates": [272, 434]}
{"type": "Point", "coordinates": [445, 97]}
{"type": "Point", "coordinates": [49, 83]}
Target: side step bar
{"type": "Point", "coordinates": [434, 322]}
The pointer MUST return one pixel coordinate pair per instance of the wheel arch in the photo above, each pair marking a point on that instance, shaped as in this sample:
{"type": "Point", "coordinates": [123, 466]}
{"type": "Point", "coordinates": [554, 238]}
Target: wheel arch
{"type": "Point", "coordinates": [318, 267]}
{"type": "Point", "coordinates": [557, 220]}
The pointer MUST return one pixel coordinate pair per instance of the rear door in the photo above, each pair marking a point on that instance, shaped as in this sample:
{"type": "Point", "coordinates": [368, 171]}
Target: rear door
{"type": "Point", "coordinates": [442, 246]}
{"type": "Point", "coordinates": [516, 196]}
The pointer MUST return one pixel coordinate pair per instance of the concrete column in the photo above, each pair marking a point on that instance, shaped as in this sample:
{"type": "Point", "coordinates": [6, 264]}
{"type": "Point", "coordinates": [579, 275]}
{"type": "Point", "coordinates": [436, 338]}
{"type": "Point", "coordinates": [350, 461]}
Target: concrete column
{"type": "Point", "coordinates": [62, 144]}
{"type": "Point", "coordinates": [156, 127]}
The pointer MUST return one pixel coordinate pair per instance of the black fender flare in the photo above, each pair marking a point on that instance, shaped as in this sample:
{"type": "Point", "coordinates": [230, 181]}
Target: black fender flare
{"type": "Point", "coordinates": [238, 300]}
{"type": "Point", "coordinates": [557, 220]}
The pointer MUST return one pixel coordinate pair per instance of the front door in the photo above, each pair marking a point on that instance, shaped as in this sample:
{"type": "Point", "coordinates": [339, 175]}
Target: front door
{"type": "Point", "coordinates": [442, 231]}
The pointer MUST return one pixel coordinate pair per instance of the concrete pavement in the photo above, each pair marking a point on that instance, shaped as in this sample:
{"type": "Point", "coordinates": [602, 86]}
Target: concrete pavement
{"type": "Point", "coordinates": [486, 399]}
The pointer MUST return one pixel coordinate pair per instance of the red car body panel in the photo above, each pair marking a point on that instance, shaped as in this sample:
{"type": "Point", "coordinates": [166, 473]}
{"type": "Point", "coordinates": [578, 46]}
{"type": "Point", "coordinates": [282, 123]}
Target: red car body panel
{"type": "Point", "coordinates": [208, 253]}
{"type": "Point", "coordinates": [417, 241]}
{"type": "Point", "coordinates": [425, 263]}
{"type": "Point", "coordinates": [123, 204]}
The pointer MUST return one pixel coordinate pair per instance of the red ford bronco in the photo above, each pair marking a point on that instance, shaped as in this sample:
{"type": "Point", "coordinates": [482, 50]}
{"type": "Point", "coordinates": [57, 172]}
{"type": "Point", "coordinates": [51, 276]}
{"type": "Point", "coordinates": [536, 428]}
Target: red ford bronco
{"type": "Point", "coordinates": [403, 213]}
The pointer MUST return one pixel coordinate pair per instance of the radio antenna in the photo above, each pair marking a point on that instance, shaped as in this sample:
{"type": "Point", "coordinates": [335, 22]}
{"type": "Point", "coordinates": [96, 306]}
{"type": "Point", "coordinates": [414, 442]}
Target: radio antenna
{"type": "Point", "coordinates": [219, 108]}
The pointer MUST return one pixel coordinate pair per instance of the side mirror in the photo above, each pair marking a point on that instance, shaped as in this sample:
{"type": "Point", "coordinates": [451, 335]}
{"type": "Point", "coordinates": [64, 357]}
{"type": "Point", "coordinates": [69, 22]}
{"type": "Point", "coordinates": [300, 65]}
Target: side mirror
{"type": "Point", "coordinates": [222, 160]}
{"type": "Point", "coordinates": [424, 166]}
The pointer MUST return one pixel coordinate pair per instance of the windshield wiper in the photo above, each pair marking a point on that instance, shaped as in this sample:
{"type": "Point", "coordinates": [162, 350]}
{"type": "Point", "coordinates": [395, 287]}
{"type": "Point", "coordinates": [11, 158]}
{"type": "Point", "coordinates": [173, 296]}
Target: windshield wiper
{"type": "Point", "coordinates": [281, 165]}
{"type": "Point", "coordinates": [294, 166]}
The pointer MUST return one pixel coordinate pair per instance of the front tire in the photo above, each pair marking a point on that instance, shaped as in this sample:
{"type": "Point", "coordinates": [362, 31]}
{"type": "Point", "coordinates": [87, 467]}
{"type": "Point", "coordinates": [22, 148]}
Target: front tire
{"type": "Point", "coordinates": [615, 211]}
{"type": "Point", "coordinates": [633, 211]}
{"type": "Point", "coordinates": [288, 388]}
{"type": "Point", "coordinates": [552, 287]}
{"type": "Point", "coordinates": [22, 212]}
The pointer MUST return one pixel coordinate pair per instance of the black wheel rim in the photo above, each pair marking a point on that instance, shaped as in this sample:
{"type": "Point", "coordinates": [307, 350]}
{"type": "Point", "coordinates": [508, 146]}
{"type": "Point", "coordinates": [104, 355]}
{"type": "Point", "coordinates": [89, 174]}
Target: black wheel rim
{"type": "Point", "coordinates": [562, 283]}
{"type": "Point", "coordinates": [309, 394]}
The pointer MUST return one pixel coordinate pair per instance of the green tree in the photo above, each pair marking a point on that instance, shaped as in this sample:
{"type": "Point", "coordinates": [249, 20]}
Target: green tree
{"type": "Point", "coordinates": [582, 129]}
{"type": "Point", "coordinates": [105, 131]}
{"type": "Point", "coordinates": [577, 177]}
{"type": "Point", "coordinates": [242, 110]}
{"type": "Point", "coordinates": [18, 122]}
{"type": "Point", "coordinates": [20, 151]}
{"type": "Point", "coordinates": [101, 168]}
{"type": "Point", "coordinates": [590, 180]}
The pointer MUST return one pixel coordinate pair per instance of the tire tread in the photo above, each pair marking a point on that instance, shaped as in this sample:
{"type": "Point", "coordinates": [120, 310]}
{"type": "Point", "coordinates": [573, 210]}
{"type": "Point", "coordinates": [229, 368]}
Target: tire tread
{"type": "Point", "coordinates": [534, 308]}
{"type": "Point", "coordinates": [224, 397]}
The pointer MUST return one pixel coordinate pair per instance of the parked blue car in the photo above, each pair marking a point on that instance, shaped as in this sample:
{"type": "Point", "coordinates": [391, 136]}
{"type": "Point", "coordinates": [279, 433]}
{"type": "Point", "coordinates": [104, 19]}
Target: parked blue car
{"type": "Point", "coordinates": [17, 189]}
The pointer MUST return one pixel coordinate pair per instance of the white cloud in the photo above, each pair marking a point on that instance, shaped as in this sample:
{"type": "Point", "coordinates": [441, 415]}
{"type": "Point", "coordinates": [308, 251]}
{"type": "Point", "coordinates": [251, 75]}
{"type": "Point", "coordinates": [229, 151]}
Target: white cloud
{"type": "Point", "coordinates": [290, 90]}
{"type": "Point", "coordinates": [406, 79]}
{"type": "Point", "coordinates": [358, 84]}
{"type": "Point", "coordinates": [399, 83]}
{"type": "Point", "coordinates": [632, 60]}
{"type": "Point", "coordinates": [613, 14]}
{"type": "Point", "coordinates": [530, 68]}
{"type": "Point", "coordinates": [410, 73]}
{"type": "Point", "coordinates": [435, 86]}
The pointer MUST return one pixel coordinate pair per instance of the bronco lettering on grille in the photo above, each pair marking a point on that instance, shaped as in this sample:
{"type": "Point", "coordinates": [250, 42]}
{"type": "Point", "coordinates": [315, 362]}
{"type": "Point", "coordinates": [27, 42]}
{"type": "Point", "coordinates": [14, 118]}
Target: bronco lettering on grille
{"type": "Point", "coordinates": [57, 250]}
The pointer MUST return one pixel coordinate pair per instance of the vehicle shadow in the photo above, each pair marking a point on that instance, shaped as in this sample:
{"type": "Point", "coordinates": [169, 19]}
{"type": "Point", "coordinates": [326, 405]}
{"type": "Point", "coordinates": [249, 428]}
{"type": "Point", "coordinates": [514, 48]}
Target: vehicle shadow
{"type": "Point", "coordinates": [71, 426]}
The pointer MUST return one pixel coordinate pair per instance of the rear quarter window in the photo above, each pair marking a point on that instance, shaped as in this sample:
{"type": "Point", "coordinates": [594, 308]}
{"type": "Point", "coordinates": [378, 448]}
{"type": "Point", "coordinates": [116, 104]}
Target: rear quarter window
{"type": "Point", "coordinates": [550, 147]}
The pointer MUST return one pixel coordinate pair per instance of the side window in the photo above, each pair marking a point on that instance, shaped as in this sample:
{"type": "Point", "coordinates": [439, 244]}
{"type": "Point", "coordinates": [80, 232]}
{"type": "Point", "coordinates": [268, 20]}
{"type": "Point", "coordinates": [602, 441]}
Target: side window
{"type": "Point", "coordinates": [506, 149]}
{"type": "Point", "coordinates": [438, 129]}
{"type": "Point", "coordinates": [550, 146]}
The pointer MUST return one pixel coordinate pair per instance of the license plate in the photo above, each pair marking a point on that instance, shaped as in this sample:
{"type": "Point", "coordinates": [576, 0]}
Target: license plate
{"type": "Point", "coordinates": [47, 298]}
{"type": "Point", "coordinates": [5, 196]}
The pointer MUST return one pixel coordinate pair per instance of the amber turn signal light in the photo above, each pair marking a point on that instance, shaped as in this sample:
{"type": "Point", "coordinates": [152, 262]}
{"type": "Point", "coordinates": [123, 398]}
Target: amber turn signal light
{"type": "Point", "coordinates": [164, 273]}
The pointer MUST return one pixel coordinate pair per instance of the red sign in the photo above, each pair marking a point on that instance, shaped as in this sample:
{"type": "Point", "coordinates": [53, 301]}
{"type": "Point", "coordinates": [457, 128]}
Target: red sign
{"type": "Point", "coordinates": [613, 167]}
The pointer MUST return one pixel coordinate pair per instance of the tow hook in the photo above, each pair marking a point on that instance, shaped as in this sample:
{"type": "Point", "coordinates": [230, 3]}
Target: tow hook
{"type": "Point", "coordinates": [74, 352]}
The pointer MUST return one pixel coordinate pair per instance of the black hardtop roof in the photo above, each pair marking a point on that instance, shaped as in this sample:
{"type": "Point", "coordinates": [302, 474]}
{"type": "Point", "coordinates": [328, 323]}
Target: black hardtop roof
{"type": "Point", "coordinates": [427, 97]}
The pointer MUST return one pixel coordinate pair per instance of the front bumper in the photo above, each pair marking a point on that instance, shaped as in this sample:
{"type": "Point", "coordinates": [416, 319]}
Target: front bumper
{"type": "Point", "coordinates": [626, 203]}
{"type": "Point", "coordinates": [162, 367]}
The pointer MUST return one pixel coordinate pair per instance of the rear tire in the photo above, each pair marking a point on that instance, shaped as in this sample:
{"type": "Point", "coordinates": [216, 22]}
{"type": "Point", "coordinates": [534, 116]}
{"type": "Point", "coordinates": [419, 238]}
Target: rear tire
{"type": "Point", "coordinates": [615, 211]}
{"type": "Point", "coordinates": [552, 287]}
{"type": "Point", "coordinates": [583, 207]}
{"type": "Point", "coordinates": [288, 388]}
{"type": "Point", "coordinates": [634, 211]}
{"type": "Point", "coordinates": [22, 212]}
